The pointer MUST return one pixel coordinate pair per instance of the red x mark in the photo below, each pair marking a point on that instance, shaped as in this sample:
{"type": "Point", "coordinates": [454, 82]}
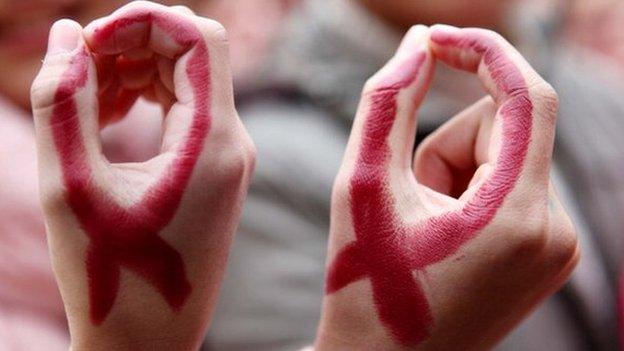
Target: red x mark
{"type": "Point", "coordinates": [387, 250]}
{"type": "Point", "coordinates": [122, 236]}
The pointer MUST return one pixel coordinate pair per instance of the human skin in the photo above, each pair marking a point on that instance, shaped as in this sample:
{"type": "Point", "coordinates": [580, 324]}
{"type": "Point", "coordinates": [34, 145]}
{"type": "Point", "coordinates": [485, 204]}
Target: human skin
{"type": "Point", "coordinates": [455, 245]}
{"type": "Point", "coordinates": [138, 249]}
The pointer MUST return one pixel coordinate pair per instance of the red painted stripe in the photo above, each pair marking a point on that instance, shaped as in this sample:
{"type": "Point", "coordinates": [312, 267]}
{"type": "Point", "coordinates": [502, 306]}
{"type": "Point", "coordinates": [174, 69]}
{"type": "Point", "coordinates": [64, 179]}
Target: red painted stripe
{"type": "Point", "coordinates": [387, 250]}
{"type": "Point", "coordinates": [121, 236]}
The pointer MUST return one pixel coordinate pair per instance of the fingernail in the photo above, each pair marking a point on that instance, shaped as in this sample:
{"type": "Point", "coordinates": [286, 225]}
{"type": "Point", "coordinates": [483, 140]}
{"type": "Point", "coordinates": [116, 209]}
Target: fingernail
{"type": "Point", "coordinates": [64, 37]}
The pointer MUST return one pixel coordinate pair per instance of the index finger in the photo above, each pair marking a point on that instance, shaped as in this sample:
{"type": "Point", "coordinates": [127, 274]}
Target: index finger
{"type": "Point", "coordinates": [526, 103]}
{"type": "Point", "coordinates": [201, 78]}
{"type": "Point", "coordinates": [143, 24]}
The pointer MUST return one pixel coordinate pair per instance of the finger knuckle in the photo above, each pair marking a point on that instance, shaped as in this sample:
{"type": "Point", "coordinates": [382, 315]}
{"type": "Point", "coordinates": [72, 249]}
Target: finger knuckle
{"type": "Point", "coordinates": [52, 198]}
{"type": "Point", "coordinates": [563, 246]}
{"type": "Point", "coordinates": [341, 188]}
{"type": "Point", "coordinates": [250, 154]}
{"type": "Point", "coordinates": [42, 93]}
{"type": "Point", "coordinates": [545, 97]}
{"type": "Point", "coordinates": [528, 233]}
{"type": "Point", "coordinates": [46, 89]}
{"type": "Point", "coordinates": [371, 87]}
{"type": "Point", "coordinates": [239, 162]}
{"type": "Point", "coordinates": [50, 93]}
{"type": "Point", "coordinates": [535, 226]}
{"type": "Point", "coordinates": [214, 31]}
{"type": "Point", "coordinates": [53, 83]}
{"type": "Point", "coordinates": [543, 237]}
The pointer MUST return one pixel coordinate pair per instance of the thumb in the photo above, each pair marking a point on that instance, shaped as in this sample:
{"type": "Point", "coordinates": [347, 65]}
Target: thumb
{"type": "Point", "coordinates": [455, 156]}
{"type": "Point", "coordinates": [64, 102]}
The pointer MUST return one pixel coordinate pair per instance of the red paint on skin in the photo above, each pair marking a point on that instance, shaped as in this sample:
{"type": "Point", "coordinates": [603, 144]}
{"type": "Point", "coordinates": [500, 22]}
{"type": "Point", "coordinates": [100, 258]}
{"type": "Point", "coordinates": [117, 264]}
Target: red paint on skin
{"type": "Point", "coordinates": [128, 237]}
{"type": "Point", "coordinates": [387, 251]}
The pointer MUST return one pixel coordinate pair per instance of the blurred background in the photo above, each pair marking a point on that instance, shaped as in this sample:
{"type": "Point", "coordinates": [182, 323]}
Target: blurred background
{"type": "Point", "coordinates": [299, 66]}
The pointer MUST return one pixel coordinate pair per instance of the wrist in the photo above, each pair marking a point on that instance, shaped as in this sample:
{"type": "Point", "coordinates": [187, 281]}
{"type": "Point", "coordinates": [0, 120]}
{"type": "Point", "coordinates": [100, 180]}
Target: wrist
{"type": "Point", "coordinates": [347, 340]}
{"type": "Point", "coordinates": [140, 331]}
{"type": "Point", "coordinates": [130, 342]}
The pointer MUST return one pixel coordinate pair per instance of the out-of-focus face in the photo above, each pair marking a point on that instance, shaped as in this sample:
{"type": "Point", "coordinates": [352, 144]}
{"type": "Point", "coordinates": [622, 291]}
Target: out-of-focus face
{"type": "Point", "coordinates": [463, 13]}
{"type": "Point", "coordinates": [24, 26]}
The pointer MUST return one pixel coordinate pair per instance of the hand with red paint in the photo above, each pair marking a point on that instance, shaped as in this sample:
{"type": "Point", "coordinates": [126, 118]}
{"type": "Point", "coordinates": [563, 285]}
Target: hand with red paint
{"type": "Point", "coordinates": [139, 249]}
{"type": "Point", "coordinates": [453, 247]}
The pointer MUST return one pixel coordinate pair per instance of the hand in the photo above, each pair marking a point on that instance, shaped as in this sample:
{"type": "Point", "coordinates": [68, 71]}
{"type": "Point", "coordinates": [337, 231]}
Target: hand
{"type": "Point", "coordinates": [139, 249]}
{"type": "Point", "coordinates": [412, 266]}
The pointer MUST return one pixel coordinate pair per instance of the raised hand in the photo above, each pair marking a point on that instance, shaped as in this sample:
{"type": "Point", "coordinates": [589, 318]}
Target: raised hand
{"type": "Point", "coordinates": [410, 265]}
{"type": "Point", "coordinates": [139, 249]}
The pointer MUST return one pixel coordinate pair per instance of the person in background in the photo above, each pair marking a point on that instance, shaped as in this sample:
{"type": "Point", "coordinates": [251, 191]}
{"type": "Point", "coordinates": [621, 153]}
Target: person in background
{"type": "Point", "coordinates": [587, 18]}
{"type": "Point", "coordinates": [251, 25]}
{"type": "Point", "coordinates": [299, 109]}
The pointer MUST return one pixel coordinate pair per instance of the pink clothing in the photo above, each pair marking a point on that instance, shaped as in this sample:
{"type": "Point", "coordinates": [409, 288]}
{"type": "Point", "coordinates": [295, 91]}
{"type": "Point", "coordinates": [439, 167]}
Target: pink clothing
{"type": "Point", "coordinates": [31, 311]}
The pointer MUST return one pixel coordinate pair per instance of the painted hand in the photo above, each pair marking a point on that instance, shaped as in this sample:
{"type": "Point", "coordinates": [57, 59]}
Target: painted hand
{"type": "Point", "coordinates": [455, 245]}
{"type": "Point", "coordinates": [139, 249]}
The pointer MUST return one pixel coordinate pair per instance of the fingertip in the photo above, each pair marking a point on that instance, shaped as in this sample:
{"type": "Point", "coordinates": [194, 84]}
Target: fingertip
{"type": "Point", "coordinates": [443, 33]}
{"type": "Point", "coordinates": [91, 29]}
{"type": "Point", "coordinates": [457, 47]}
{"type": "Point", "coordinates": [405, 66]}
{"type": "Point", "coordinates": [415, 38]}
{"type": "Point", "coordinates": [444, 38]}
{"type": "Point", "coordinates": [113, 35]}
{"type": "Point", "coordinates": [65, 36]}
